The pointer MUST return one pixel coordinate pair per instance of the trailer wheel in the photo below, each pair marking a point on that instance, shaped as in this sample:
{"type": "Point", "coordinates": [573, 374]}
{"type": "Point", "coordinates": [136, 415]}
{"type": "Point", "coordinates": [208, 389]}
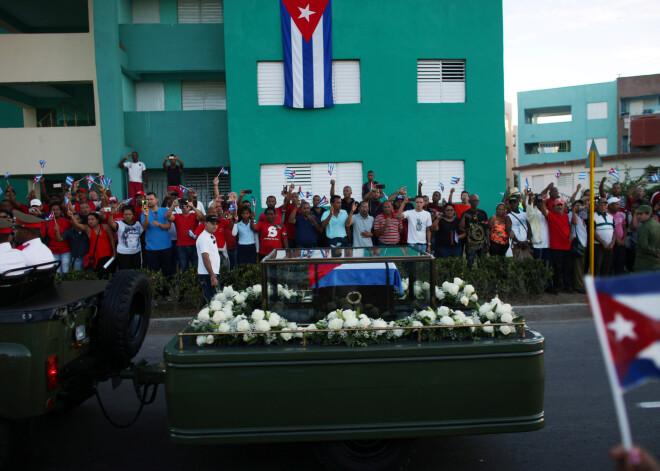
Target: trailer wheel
{"type": "Point", "coordinates": [365, 455]}
{"type": "Point", "coordinates": [124, 316]}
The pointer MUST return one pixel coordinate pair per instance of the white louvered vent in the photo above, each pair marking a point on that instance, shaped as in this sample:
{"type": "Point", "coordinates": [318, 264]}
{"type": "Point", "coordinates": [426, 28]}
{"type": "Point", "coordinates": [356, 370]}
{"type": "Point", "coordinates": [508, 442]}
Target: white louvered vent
{"type": "Point", "coordinates": [440, 81]}
{"type": "Point", "coordinates": [346, 82]}
{"type": "Point", "coordinates": [203, 95]}
{"type": "Point", "coordinates": [200, 11]}
{"type": "Point", "coordinates": [435, 172]}
{"type": "Point", "coordinates": [270, 83]}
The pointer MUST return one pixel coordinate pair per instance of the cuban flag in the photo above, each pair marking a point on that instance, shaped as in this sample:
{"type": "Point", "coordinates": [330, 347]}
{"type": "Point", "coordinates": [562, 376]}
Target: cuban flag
{"type": "Point", "coordinates": [69, 180]}
{"type": "Point", "coordinates": [183, 189]}
{"type": "Point", "coordinates": [307, 47]}
{"type": "Point", "coordinates": [324, 201]}
{"type": "Point", "coordinates": [558, 174]}
{"type": "Point", "coordinates": [6, 175]}
{"type": "Point", "coordinates": [289, 173]}
{"type": "Point", "coordinates": [90, 181]}
{"type": "Point", "coordinates": [308, 194]}
{"type": "Point", "coordinates": [66, 200]}
{"type": "Point", "coordinates": [232, 206]}
{"type": "Point", "coordinates": [42, 163]}
{"type": "Point", "coordinates": [442, 187]}
{"type": "Point", "coordinates": [354, 274]}
{"type": "Point", "coordinates": [654, 177]}
{"type": "Point", "coordinates": [223, 171]}
{"type": "Point", "coordinates": [625, 310]}
{"type": "Point", "coordinates": [614, 172]}
{"type": "Point", "coordinates": [123, 202]}
{"type": "Point", "coordinates": [331, 168]}
{"type": "Point", "coordinates": [51, 216]}
{"type": "Point", "coordinates": [526, 184]}
{"type": "Point", "coordinates": [455, 180]}
{"type": "Point", "coordinates": [582, 176]}
{"type": "Point", "coordinates": [254, 202]}
{"type": "Point", "coordinates": [108, 182]}
{"type": "Point", "coordinates": [37, 178]}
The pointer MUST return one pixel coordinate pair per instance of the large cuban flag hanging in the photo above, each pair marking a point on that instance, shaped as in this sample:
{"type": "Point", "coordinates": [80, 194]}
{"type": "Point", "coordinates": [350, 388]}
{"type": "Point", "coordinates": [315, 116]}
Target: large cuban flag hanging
{"type": "Point", "coordinates": [307, 44]}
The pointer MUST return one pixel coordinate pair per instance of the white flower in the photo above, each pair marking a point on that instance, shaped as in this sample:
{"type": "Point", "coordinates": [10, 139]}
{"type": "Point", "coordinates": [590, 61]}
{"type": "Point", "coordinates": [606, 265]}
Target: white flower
{"type": "Point", "coordinates": [474, 297]}
{"type": "Point", "coordinates": [468, 290]}
{"type": "Point", "coordinates": [504, 309]}
{"type": "Point", "coordinates": [418, 290]}
{"type": "Point", "coordinates": [311, 327]}
{"type": "Point", "coordinates": [215, 305]}
{"type": "Point", "coordinates": [203, 315]}
{"type": "Point", "coordinates": [201, 340]}
{"type": "Point", "coordinates": [262, 326]}
{"type": "Point", "coordinates": [446, 286]}
{"type": "Point", "coordinates": [426, 286]}
{"type": "Point", "coordinates": [485, 309]}
{"type": "Point", "coordinates": [458, 281]}
{"type": "Point", "coordinates": [505, 329]}
{"type": "Point", "coordinates": [220, 297]}
{"type": "Point", "coordinates": [256, 289]}
{"type": "Point", "coordinates": [465, 301]}
{"type": "Point", "coordinates": [351, 322]}
{"type": "Point", "coordinates": [490, 315]}
{"type": "Point", "coordinates": [430, 314]}
{"type": "Point", "coordinates": [453, 289]}
{"type": "Point", "coordinates": [364, 321]}
{"type": "Point", "coordinates": [224, 327]}
{"type": "Point", "coordinates": [379, 323]}
{"type": "Point", "coordinates": [398, 332]}
{"type": "Point", "coordinates": [460, 317]}
{"type": "Point", "coordinates": [274, 319]}
{"type": "Point", "coordinates": [209, 339]}
{"type": "Point", "coordinates": [416, 324]}
{"type": "Point", "coordinates": [443, 311]}
{"type": "Point", "coordinates": [258, 315]}
{"type": "Point", "coordinates": [227, 311]}
{"type": "Point", "coordinates": [348, 314]}
{"type": "Point", "coordinates": [439, 294]}
{"type": "Point", "coordinates": [243, 326]}
{"type": "Point", "coordinates": [239, 298]}
{"type": "Point", "coordinates": [219, 316]}
{"type": "Point", "coordinates": [286, 336]}
{"type": "Point", "coordinates": [495, 301]}
{"type": "Point", "coordinates": [446, 320]}
{"type": "Point", "coordinates": [333, 315]}
{"type": "Point", "coordinates": [335, 324]}
{"type": "Point", "coordinates": [470, 321]}
{"type": "Point", "coordinates": [286, 293]}
{"type": "Point", "coordinates": [487, 328]}
{"type": "Point", "coordinates": [506, 318]}
{"type": "Point", "coordinates": [228, 291]}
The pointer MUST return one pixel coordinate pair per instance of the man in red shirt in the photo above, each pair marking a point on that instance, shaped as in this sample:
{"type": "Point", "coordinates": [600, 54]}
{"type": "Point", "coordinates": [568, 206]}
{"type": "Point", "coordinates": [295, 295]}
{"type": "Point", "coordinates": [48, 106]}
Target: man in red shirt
{"type": "Point", "coordinates": [463, 206]}
{"type": "Point", "coordinates": [560, 245]}
{"type": "Point", "coordinates": [291, 228]}
{"type": "Point", "coordinates": [387, 227]}
{"type": "Point", "coordinates": [272, 234]}
{"type": "Point", "coordinates": [185, 223]}
{"type": "Point", "coordinates": [225, 223]}
{"type": "Point", "coordinates": [553, 194]}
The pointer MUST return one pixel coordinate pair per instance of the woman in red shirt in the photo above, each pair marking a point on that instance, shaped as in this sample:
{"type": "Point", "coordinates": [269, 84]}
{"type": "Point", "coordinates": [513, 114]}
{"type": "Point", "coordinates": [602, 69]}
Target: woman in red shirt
{"type": "Point", "coordinates": [560, 245]}
{"type": "Point", "coordinates": [61, 250]}
{"type": "Point", "coordinates": [101, 243]}
{"type": "Point", "coordinates": [272, 234]}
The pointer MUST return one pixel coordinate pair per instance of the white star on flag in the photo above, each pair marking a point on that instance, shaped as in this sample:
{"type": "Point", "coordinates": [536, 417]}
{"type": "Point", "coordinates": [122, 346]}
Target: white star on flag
{"type": "Point", "coordinates": [622, 328]}
{"type": "Point", "coordinates": [305, 13]}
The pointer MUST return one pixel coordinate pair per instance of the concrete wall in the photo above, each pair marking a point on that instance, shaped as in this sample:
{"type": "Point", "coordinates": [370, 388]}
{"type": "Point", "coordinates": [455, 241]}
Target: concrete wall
{"type": "Point", "coordinates": [388, 131]}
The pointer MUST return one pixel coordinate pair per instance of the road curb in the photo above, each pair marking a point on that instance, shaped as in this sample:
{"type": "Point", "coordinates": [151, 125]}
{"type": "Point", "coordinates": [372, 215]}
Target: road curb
{"type": "Point", "coordinates": [553, 312]}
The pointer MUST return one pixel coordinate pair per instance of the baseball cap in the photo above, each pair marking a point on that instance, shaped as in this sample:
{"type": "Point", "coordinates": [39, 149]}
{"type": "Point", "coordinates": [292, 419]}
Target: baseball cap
{"type": "Point", "coordinates": [613, 200]}
{"type": "Point", "coordinates": [399, 197]}
{"type": "Point", "coordinates": [81, 189]}
{"type": "Point", "coordinates": [113, 199]}
{"type": "Point", "coordinates": [559, 201]}
{"type": "Point", "coordinates": [211, 218]}
{"type": "Point", "coordinates": [645, 208]}
{"type": "Point", "coordinates": [141, 193]}
{"type": "Point", "coordinates": [35, 202]}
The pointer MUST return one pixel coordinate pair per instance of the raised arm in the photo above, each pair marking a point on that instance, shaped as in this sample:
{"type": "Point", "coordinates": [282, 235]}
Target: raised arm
{"type": "Point", "coordinates": [332, 187]}
{"type": "Point", "coordinates": [145, 223]}
{"type": "Point", "coordinates": [123, 159]}
{"type": "Point", "coordinates": [547, 189]}
{"type": "Point", "coordinates": [451, 195]}
{"type": "Point", "coordinates": [216, 190]}
{"type": "Point", "coordinates": [169, 215]}
{"type": "Point", "coordinates": [601, 187]}
{"type": "Point", "coordinates": [577, 190]}
{"type": "Point", "coordinates": [349, 220]}
{"type": "Point", "coordinates": [176, 157]}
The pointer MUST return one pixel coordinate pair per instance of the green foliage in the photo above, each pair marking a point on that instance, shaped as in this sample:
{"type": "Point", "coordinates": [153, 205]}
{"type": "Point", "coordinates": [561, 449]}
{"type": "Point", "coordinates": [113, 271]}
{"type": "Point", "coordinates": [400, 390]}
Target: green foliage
{"type": "Point", "coordinates": [503, 276]}
{"type": "Point", "coordinates": [241, 277]}
{"type": "Point", "coordinates": [628, 183]}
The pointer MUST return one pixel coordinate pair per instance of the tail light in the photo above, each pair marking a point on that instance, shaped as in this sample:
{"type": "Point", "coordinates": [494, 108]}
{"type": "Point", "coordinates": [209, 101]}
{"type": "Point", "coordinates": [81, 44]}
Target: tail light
{"type": "Point", "coordinates": [52, 372]}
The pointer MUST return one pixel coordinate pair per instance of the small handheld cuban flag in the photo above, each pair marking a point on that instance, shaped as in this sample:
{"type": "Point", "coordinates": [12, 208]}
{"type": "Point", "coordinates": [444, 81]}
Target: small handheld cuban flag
{"type": "Point", "coordinates": [307, 53]}
{"type": "Point", "coordinates": [232, 206]}
{"type": "Point", "coordinates": [6, 175]}
{"type": "Point", "coordinates": [37, 178]}
{"type": "Point", "coordinates": [123, 202]}
{"type": "Point", "coordinates": [101, 178]}
{"type": "Point", "coordinates": [526, 184]}
{"type": "Point", "coordinates": [108, 182]}
{"type": "Point", "coordinates": [51, 216]}
{"type": "Point", "coordinates": [442, 187]}
{"type": "Point", "coordinates": [300, 192]}
{"type": "Point", "coordinates": [183, 189]}
{"type": "Point", "coordinates": [308, 194]}
{"type": "Point", "coordinates": [654, 177]}
{"type": "Point", "coordinates": [69, 180]}
{"type": "Point", "coordinates": [289, 173]}
{"type": "Point", "coordinates": [42, 163]}
{"type": "Point", "coordinates": [614, 172]}
{"type": "Point", "coordinates": [254, 203]}
{"type": "Point", "coordinates": [558, 174]}
{"type": "Point", "coordinates": [582, 176]}
{"type": "Point", "coordinates": [455, 180]}
{"type": "Point", "coordinates": [223, 171]}
{"type": "Point", "coordinates": [90, 181]}
{"type": "Point", "coordinates": [324, 201]}
{"type": "Point", "coordinates": [66, 200]}
{"type": "Point", "coordinates": [331, 168]}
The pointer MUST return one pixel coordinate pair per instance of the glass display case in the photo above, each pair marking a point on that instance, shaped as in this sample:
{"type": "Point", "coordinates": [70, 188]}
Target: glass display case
{"type": "Point", "coordinates": [304, 285]}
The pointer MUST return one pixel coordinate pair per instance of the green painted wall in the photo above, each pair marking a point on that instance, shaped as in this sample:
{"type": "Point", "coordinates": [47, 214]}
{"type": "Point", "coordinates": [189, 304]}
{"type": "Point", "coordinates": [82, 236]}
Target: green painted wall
{"type": "Point", "coordinates": [388, 131]}
{"type": "Point", "coordinates": [168, 12]}
{"type": "Point", "coordinates": [124, 11]}
{"type": "Point", "coordinates": [11, 116]}
{"type": "Point", "coordinates": [128, 93]}
{"type": "Point", "coordinates": [198, 137]}
{"type": "Point", "coordinates": [173, 47]}
{"type": "Point", "coordinates": [172, 94]}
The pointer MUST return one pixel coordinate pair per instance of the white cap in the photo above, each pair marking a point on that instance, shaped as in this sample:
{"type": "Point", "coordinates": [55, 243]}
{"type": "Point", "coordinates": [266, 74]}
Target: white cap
{"type": "Point", "coordinates": [613, 199]}
{"type": "Point", "coordinates": [35, 202]}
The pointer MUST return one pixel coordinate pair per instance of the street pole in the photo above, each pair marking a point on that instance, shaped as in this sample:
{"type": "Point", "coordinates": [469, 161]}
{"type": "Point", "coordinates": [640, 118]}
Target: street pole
{"type": "Point", "coordinates": [592, 175]}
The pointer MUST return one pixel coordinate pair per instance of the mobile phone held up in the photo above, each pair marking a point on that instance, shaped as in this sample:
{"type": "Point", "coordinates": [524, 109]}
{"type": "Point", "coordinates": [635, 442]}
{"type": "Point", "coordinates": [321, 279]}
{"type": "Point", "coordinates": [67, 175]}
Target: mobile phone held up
{"type": "Point", "coordinates": [248, 192]}
{"type": "Point", "coordinates": [380, 186]}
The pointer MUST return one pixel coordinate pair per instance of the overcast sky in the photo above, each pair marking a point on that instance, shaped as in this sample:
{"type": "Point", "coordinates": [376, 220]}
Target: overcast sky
{"type": "Point", "coordinates": [558, 43]}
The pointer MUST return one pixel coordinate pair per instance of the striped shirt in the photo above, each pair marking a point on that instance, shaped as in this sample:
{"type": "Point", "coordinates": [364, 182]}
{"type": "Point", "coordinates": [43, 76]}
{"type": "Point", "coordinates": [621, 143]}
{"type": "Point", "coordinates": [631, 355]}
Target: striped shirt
{"type": "Point", "coordinates": [391, 235]}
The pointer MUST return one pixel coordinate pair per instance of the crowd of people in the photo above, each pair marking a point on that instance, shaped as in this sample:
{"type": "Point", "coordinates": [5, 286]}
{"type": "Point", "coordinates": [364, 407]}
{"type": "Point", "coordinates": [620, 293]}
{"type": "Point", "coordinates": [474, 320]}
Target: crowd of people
{"type": "Point", "coordinates": [89, 229]}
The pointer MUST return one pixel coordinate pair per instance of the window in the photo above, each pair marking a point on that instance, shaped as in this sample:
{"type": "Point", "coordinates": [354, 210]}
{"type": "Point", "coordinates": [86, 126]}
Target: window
{"type": "Point", "coordinates": [313, 178]}
{"type": "Point", "coordinates": [204, 95]}
{"type": "Point", "coordinates": [565, 179]}
{"type": "Point", "coordinates": [547, 147]}
{"type": "Point", "coordinates": [149, 96]}
{"type": "Point", "coordinates": [538, 183]}
{"type": "Point", "coordinates": [435, 172]}
{"type": "Point", "coordinates": [597, 110]}
{"type": "Point", "coordinates": [601, 145]}
{"type": "Point", "coordinates": [345, 82]}
{"type": "Point", "coordinates": [145, 11]}
{"type": "Point", "coordinates": [549, 114]}
{"type": "Point", "coordinates": [441, 81]}
{"type": "Point", "coordinates": [200, 11]}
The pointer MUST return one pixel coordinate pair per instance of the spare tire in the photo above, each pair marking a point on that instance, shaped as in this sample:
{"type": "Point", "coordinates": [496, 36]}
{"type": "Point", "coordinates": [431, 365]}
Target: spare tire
{"type": "Point", "coordinates": [124, 316]}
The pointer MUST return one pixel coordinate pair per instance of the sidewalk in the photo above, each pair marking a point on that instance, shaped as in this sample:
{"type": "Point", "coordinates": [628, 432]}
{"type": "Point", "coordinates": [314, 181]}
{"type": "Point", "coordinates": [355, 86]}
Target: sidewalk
{"type": "Point", "coordinates": [543, 312]}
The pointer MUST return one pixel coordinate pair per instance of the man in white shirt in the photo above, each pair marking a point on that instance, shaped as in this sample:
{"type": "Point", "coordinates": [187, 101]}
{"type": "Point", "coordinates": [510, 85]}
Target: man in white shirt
{"type": "Point", "coordinates": [137, 174]}
{"type": "Point", "coordinates": [520, 233]}
{"type": "Point", "coordinates": [604, 239]}
{"type": "Point", "coordinates": [9, 257]}
{"type": "Point", "coordinates": [28, 236]}
{"type": "Point", "coordinates": [419, 224]}
{"type": "Point", "coordinates": [208, 261]}
{"type": "Point", "coordinates": [363, 226]}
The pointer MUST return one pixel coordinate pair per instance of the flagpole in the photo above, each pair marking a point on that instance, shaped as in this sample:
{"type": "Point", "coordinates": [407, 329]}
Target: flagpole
{"type": "Point", "coordinates": [592, 207]}
{"type": "Point", "coordinates": [615, 386]}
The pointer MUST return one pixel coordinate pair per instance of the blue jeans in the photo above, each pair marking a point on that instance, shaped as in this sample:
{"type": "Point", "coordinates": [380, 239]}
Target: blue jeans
{"type": "Point", "coordinates": [470, 254]}
{"type": "Point", "coordinates": [187, 255]}
{"type": "Point", "coordinates": [246, 254]}
{"type": "Point", "coordinates": [209, 290]}
{"type": "Point", "coordinates": [338, 241]}
{"type": "Point", "coordinates": [420, 247]}
{"type": "Point", "coordinates": [233, 257]}
{"type": "Point", "coordinates": [78, 263]}
{"type": "Point", "coordinates": [450, 251]}
{"type": "Point", "coordinates": [65, 259]}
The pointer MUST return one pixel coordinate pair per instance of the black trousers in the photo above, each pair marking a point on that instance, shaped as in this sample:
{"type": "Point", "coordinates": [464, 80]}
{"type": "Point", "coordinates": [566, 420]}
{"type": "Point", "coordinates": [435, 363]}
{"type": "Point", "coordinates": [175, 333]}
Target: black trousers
{"type": "Point", "coordinates": [562, 266]}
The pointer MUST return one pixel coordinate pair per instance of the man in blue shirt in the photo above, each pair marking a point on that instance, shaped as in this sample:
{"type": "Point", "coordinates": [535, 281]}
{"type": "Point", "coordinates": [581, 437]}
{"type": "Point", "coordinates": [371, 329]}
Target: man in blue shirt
{"type": "Point", "coordinates": [307, 226]}
{"type": "Point", "coordinates": [158, 251]}
{"type": "Point", "coordinates": [336, 221]}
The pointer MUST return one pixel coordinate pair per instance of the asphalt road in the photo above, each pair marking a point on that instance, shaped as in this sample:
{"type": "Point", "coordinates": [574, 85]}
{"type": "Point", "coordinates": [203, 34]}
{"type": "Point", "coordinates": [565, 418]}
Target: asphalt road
{"type": "Point", "coordinates": [580, 427]}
